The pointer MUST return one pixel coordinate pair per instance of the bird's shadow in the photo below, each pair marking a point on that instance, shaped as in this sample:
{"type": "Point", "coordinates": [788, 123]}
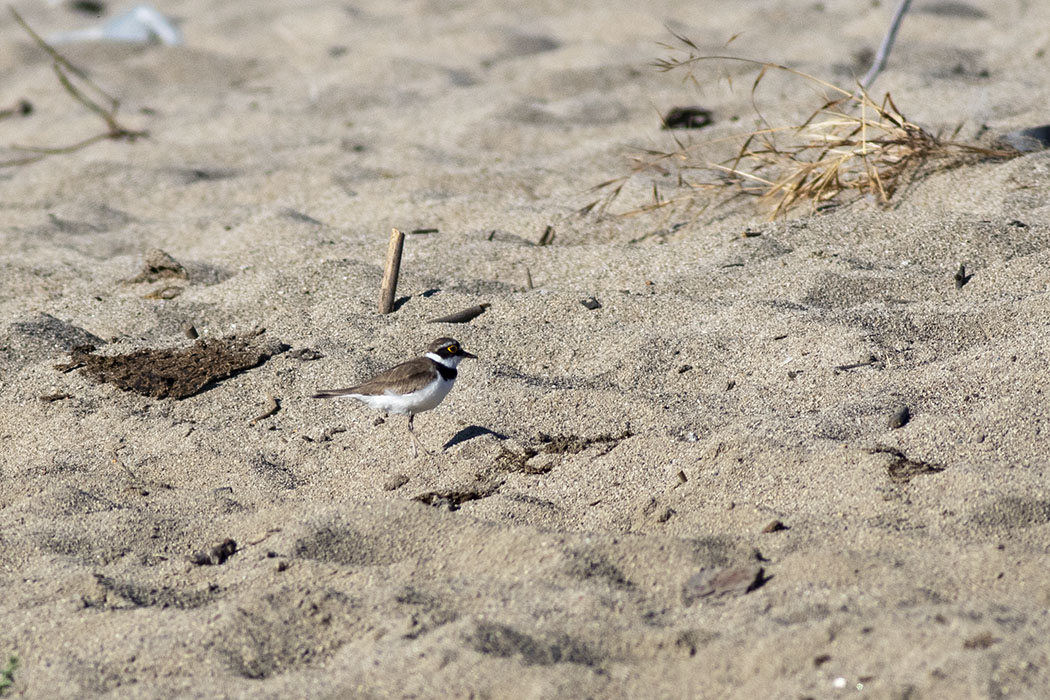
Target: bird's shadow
{"type": "Point", "coordinates": [469, 433]}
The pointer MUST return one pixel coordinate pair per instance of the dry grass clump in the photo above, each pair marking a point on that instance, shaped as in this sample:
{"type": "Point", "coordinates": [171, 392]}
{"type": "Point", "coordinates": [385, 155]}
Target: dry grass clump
{"type": "Point", "coordinates": [849, 147]}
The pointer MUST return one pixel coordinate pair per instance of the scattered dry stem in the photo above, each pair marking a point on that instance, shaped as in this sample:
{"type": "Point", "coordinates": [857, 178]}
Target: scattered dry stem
{"type": "Point", "coordinates": [72, 79]}
{"type": "Point", "coordinates": [849, 147]}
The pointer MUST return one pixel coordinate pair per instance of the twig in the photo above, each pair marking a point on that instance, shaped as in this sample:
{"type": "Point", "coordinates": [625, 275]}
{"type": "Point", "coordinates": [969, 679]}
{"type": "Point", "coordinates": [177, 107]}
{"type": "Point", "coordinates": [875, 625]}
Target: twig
{"type": "Point", "coordinates": [887, 45]}
{"type": "Point", "coordinates": [107, 115]}
{"type": "Point", "coordinates": [856, 365]}
{"type": "Point", "coordinates": [43, 151]}
{"type": "Point", "coordinates": [464, 316]}
{"type": "Point", "coordinates": [61, 60]}
{"type": "Point", "coordinates": [390, 272]}
{"type": "Point", "coordinates": [63, 69]}
{"type": "Point", "coordinates": [272, 406]}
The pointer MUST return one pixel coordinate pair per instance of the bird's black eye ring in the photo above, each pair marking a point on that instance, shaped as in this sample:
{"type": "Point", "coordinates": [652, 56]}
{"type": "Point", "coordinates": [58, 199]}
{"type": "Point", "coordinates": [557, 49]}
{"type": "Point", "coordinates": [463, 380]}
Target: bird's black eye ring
{"type": "Point", "coordinates": [452, 349]}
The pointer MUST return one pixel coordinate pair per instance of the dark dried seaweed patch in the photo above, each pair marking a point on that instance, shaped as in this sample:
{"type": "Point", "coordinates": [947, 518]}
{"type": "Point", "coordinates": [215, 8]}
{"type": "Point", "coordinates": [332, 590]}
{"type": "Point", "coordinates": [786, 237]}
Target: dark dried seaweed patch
{"type": "Point", "coordinates": [574, 444]}
{"type": "Point", "coordinates": [511, 461]}
{"type": "Point", "coordinates": [175, 372]}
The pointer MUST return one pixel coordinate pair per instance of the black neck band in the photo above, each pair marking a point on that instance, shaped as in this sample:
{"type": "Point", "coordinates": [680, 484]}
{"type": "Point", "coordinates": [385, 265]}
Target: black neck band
{"type": "Point", "coordinates": [447, 373]}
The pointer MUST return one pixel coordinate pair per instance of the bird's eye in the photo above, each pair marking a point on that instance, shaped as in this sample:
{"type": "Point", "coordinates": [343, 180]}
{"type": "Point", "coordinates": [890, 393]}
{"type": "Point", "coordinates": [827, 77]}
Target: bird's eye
{"type": "Point", "coordinates": [452, 349]}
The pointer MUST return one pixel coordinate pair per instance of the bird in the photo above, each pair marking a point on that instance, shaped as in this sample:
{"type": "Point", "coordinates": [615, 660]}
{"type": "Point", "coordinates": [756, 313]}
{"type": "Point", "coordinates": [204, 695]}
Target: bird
{"type": "Point", "coordinates": [413, 386]}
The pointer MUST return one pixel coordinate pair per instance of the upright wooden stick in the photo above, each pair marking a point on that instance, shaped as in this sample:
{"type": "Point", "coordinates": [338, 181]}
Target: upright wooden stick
{"type": "Point", "coordinates": [393, 266]}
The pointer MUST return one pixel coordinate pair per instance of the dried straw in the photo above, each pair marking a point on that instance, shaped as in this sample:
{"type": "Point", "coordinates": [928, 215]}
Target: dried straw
{"type": "Point", "coordinates": [849, 147]}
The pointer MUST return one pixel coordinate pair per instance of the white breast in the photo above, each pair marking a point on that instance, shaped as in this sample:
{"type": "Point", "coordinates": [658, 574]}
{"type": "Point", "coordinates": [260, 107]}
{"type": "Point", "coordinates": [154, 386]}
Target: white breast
{"type": "Point", "coordinates": [418, 401]}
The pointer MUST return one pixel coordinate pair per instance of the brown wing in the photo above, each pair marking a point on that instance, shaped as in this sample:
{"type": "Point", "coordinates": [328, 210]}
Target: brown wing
{"type": "Point", "coordinates": [403, 379]}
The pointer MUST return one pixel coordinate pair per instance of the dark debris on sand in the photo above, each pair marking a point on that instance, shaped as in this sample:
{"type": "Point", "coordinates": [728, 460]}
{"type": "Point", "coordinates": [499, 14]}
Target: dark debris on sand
{"type": "Point", "coordinates": [175, 372]}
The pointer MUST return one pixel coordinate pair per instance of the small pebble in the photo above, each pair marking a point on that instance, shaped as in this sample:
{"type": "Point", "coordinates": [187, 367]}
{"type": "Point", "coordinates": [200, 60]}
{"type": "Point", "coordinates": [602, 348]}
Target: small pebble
{"type": "Point", "coordinates": [691, 117]}
{"type": "Point", "coordinates": [591, 303]}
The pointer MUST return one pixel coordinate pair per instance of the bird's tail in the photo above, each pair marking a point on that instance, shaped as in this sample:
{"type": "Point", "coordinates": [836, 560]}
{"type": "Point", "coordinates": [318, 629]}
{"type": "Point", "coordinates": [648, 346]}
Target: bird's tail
{"type": "Point", "coordinates": [331, 393]}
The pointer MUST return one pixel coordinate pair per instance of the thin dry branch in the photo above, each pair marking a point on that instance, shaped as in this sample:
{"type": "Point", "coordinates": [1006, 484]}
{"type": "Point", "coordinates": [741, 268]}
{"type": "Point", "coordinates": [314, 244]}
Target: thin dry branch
{"type": "Point", "coordinates": [68, 76]}
{"type": "Point", "coordinates": [887, 45]}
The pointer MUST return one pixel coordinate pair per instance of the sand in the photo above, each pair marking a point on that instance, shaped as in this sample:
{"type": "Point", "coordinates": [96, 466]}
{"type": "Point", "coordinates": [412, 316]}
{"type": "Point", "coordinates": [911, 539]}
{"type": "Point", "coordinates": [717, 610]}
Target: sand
{"type": "Point", "coordinates": [693, 490]}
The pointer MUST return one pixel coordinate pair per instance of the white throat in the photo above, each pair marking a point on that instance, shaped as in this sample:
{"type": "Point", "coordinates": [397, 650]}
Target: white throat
{"type": "Point", "coordinates": [450, 362]}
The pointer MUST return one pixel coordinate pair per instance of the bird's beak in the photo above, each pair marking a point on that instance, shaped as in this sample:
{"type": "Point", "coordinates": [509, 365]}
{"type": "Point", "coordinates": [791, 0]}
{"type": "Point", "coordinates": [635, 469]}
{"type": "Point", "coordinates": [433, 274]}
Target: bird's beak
{"type": "Point", "coordinates": [464, 354]}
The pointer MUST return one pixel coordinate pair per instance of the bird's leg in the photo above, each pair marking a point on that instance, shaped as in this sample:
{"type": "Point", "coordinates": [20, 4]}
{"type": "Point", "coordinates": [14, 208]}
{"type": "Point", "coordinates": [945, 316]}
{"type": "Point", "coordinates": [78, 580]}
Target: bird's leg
{"type": "Point", "coordinates": [415, 439]}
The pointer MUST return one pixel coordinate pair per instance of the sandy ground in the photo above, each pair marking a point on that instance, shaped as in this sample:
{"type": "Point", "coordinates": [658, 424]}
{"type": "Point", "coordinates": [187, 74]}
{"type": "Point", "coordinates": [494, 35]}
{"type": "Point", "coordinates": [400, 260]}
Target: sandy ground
{"type": "Point", "coordinates": [606, 480]}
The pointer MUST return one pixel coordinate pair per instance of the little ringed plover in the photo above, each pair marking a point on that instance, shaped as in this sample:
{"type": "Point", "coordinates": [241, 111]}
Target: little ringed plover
{"type": "Point", "coordinates": [411, 387]}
